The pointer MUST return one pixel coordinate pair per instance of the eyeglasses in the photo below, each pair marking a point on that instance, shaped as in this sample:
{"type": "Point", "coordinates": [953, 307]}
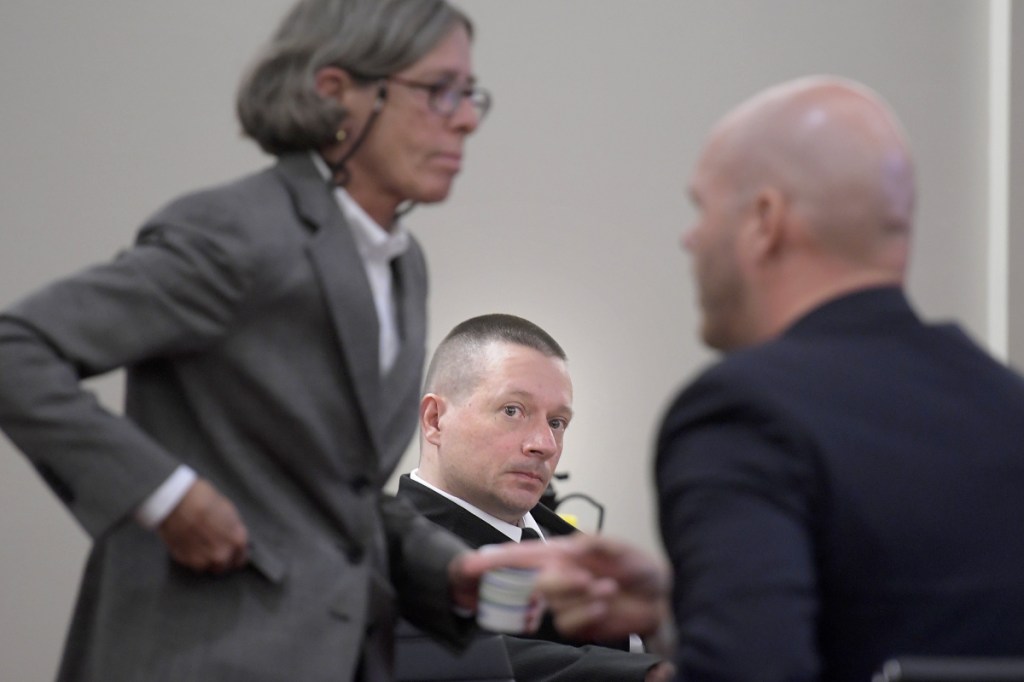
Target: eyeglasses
{"type": "Point", "coordinates": [445, 97]}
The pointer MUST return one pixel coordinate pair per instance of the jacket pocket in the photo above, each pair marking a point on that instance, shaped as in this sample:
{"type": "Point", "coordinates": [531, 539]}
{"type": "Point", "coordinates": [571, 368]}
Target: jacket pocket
{"type": "Point", "coordinates": [267, 563]}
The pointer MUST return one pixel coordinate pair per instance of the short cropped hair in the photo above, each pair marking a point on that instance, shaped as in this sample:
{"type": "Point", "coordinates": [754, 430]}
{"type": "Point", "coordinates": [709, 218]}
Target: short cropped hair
{"type": "Point", "coordinates": [277, 103]}
{"type": "Point", "coordinates": [455, 367]}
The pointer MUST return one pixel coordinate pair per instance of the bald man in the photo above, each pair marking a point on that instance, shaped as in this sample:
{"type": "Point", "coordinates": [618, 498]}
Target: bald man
{"type": "Point", "coordinates": [845, 485]}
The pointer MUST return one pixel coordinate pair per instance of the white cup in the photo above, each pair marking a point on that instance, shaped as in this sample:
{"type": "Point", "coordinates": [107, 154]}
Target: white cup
{"type": "Point", "coordinates": [504, 599]}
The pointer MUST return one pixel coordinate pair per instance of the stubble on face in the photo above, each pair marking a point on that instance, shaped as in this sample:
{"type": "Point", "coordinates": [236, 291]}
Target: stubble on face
{"type": "Point", "coordinates": [712, 245]}
{"type": "Point", "coordinates": [500, 454]}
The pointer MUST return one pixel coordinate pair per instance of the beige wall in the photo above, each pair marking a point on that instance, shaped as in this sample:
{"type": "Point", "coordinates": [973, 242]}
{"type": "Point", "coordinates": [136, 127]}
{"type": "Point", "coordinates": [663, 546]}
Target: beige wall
{"type": "Point", "coordinates": [569, 210]}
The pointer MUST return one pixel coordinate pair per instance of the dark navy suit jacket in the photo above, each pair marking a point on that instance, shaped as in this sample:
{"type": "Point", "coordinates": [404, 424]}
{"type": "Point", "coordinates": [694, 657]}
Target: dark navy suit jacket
{"type": "Point", "coordinates": [850, 491]}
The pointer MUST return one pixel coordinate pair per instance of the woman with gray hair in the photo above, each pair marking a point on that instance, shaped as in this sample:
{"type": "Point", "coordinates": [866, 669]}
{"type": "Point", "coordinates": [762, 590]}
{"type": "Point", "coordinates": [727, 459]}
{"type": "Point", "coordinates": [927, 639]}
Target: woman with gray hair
{"type": "Point", "coordinates": [273, 335]}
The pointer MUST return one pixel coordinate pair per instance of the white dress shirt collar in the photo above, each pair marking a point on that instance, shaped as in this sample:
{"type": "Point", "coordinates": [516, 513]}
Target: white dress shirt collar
{"type": "Point", "coordinates": [374, 242]}
{"type": "Point", "coordinates": [377, 248]}
{"type": "Point", "coordinates": [513, 532]}
{"type": "Point", "coordinates": [371, 238]}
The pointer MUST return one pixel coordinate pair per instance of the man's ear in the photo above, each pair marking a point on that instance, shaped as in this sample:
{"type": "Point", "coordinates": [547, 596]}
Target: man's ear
{"type": "Point", "coordinates": [767, 232]}
{"type": "Point", "coordinates": [432, 408]}
{"type": "Point", "coordinates": [333, 82]}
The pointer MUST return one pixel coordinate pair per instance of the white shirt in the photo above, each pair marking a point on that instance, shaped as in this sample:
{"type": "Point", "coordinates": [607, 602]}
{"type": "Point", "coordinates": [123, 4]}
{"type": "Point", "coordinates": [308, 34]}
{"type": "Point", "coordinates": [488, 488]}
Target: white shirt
{"type": "Point", "coordinates": [377, 248]}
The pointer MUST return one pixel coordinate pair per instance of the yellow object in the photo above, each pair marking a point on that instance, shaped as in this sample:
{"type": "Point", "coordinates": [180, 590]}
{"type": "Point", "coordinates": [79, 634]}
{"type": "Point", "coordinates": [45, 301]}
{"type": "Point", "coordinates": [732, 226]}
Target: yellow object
{"type": "Point", "coordinates": [571, 518]}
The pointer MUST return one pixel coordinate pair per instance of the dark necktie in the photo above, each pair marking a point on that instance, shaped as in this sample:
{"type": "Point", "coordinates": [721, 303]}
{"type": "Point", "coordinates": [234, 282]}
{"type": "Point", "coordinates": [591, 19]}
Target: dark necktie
{"type": "Point", "coordinates": [529, 534]}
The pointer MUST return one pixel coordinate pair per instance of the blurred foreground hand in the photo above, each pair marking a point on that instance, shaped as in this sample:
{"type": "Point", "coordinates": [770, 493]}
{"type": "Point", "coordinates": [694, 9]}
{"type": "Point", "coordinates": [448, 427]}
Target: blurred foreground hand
{"type": "Point", "coordinates": [596, 587]}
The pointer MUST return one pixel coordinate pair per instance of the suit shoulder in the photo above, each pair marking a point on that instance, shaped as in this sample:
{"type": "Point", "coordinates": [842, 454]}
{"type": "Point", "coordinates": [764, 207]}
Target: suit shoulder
{"type": "Point", "coordinates": [748, 372]}
{"type": "Point", "coordinates": [227, 206]}
{"type": "Point", "coordinates": [765, 388]}
{"type": "Point", "coordinates": [248, 226]}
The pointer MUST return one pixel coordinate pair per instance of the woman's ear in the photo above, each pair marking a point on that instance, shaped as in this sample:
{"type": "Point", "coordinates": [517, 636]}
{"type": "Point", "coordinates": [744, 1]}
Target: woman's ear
{"type": "Point", "coordinates": [333, 82]}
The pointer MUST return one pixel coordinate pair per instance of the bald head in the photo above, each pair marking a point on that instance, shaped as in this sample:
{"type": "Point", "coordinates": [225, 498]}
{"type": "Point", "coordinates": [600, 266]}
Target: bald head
{"type": "Point", "coordinates": [834, 149]}
{"type": "Point", "coordinates": [804, 192]}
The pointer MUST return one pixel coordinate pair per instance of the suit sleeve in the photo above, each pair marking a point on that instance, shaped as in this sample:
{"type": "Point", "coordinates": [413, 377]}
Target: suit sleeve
{"type": "Point", "coordinates": [736, 520]}
{"type": "Point", "coordinates": [176, 290]}
{"type": "Point", "coordinates": [536, 660]}
{"type": "Point", "coordinates": [419, 552]}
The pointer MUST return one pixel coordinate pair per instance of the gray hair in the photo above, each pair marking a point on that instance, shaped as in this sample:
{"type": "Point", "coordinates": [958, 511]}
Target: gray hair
{"type": "Point", "coordinates": [278, 105]}
{"type": "Point", "coordinates": [455, 367]}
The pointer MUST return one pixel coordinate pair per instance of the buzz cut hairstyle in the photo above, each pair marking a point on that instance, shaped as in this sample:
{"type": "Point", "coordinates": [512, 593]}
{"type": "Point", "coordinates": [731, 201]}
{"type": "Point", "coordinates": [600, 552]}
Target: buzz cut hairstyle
{"type": "Point", "coordinates": [455, 367]}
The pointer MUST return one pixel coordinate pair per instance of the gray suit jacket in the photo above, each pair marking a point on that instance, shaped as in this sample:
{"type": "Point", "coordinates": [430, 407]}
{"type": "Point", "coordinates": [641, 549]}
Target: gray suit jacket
{"type": "Point", "coordinates": [246, 324]}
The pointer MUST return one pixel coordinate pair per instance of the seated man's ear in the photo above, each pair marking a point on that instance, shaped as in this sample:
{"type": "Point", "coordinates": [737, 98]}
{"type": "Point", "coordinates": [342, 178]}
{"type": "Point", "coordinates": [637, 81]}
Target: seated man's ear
{"type": "Point", "coordinates": [432, 408]}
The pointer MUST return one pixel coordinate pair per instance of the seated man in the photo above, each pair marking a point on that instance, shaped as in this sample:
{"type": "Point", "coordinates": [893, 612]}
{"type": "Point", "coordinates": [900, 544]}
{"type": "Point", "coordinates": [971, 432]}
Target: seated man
{"type": "Point", "coordinates": [497, 402]}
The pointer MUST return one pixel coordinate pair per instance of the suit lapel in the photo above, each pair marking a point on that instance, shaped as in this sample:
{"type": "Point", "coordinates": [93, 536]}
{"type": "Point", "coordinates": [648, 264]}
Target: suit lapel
{"type": "Point", "coordinates": [467, 525]}
{"type": "Point", "coordinates": [402, 384]}
{"type": "Point", "coordinates": [445, 513]}
{"type": "Point", "coordinates": [339, 269]}
{"type": "Point", "coordinates": [552, 523]}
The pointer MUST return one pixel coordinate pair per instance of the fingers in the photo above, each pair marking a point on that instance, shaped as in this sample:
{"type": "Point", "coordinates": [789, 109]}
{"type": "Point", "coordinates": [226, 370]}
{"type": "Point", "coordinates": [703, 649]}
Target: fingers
{"type": "Point", "coordinates": [591, 552]}
{"type": "Point", "coordinates": [205, 532]}
{"type": "Point", "coordinates": [535, 615]}
{"type": "Point", "coordinates": [464, 580]}
{"type": "Point", "coordinates": [596, 587]}
{"type": "Point", "coordinates": [580, 603]}
{"type": "Point", "coordinates": [663, 672]}
{"type": "Point", "coordinates": [507, 555]}
{"type": "Point", "coordinates": [603, 588]}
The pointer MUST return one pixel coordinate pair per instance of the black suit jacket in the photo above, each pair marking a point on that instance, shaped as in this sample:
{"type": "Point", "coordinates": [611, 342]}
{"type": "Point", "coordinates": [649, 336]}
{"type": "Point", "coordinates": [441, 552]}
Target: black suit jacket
{"type": "Point", "coordinates": [851, 491]}
{"type": "Point", "coordinates": [546, 655]}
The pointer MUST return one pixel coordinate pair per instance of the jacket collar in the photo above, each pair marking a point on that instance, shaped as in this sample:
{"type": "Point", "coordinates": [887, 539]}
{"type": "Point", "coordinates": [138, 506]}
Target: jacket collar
{"type": "Point", "coordinates": [863, 311]}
